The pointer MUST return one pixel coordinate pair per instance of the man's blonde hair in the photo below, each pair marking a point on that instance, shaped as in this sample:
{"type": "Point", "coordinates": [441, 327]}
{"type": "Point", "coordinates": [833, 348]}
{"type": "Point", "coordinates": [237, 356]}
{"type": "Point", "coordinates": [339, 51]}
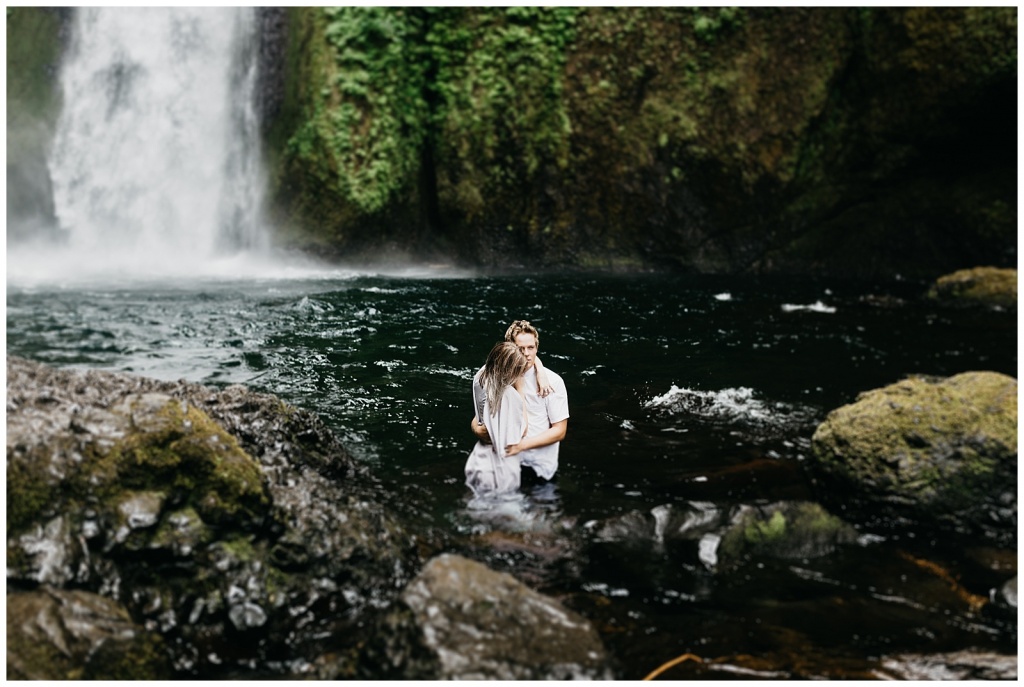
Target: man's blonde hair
{"type": "Point", "coordinates": [521, 327]}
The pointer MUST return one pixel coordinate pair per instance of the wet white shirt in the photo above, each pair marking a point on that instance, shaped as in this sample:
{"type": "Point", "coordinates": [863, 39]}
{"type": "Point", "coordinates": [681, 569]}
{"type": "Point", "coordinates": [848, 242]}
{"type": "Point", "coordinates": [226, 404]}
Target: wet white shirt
{"type": "Point", "coordinates": [542, 413]}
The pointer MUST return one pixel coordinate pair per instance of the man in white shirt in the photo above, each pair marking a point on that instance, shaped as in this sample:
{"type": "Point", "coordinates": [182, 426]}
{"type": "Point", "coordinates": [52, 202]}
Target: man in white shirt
{"type": "Point", "coordinates": [547, 408]}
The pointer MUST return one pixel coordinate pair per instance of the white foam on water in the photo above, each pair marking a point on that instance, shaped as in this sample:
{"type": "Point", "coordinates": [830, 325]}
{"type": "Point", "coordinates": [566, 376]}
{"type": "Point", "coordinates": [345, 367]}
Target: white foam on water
{"type": "Point", "coordinates": [817, 306]}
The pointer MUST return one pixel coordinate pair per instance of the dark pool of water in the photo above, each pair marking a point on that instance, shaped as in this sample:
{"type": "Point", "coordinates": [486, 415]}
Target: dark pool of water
{"type": "Point", "coordinates": [682, 390]}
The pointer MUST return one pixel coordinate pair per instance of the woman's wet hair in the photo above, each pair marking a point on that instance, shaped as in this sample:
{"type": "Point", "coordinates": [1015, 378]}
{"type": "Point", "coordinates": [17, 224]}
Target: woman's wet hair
{"type": "Point", "coordinates": [505, 364]}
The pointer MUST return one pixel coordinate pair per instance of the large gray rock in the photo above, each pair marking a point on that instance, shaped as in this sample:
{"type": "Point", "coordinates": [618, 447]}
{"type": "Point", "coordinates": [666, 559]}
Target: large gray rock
{"type": "Point", "coordinates": [463, 621]}
{"type": "Point", "coordinates": [944, 450]}
{"type": "Point", "coordinates": [234, 525]}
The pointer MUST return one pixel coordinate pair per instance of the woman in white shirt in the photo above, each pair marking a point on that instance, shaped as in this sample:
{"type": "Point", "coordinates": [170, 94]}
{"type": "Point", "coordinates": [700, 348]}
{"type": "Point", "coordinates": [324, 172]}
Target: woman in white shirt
{"type": "Point", "coordinates": [502, 409]}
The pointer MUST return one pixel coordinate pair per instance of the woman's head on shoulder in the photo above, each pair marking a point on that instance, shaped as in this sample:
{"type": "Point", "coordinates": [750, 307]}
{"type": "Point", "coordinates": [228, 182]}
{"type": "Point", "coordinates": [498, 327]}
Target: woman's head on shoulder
{"type": "Point", "coordinates": [506, 363]}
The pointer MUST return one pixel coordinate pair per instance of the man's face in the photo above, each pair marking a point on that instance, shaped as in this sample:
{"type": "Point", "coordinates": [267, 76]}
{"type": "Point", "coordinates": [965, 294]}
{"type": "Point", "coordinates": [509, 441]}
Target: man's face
{"type": "Point", "coordinates": [527, 344]}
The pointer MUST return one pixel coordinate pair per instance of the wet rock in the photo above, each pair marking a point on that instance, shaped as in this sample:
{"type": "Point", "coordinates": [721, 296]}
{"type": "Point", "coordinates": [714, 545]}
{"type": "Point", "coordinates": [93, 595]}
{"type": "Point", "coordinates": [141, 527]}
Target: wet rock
{"type": "Point", "coordinates": [719, 537]}
{"type": "Point", "coordinates": [791, 531]}
{"type": "Point", "coordinates": [961, 665]}
{"type": "Point", "coordinates": [234, 525]}
{"type": "Point", "coordinates": [1007, 594]}
{"type": "Point", "coordinates": [461, 620]}
{"type": "Point", "coordinates": [55, 634]}
{"type": "Point", "coordinates": [944, 450]}
{"type": "Point", "coordinates": [990, 287]}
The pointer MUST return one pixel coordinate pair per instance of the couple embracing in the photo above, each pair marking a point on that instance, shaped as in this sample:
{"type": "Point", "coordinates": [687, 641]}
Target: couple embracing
{"type": "Point", "coordinates": [522, 412]}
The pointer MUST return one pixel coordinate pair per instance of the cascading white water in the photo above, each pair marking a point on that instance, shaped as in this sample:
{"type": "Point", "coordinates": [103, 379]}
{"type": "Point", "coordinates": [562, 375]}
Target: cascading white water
{"type": "Point", "coordinates": [156, 160]}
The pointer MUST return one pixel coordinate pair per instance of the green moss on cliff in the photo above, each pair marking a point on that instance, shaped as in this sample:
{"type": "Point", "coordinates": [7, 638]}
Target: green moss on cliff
{"type": "Point", "coordinates": [709, 138]}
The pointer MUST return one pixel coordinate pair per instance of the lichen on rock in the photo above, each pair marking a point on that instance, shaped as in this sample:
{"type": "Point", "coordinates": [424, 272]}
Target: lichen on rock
{"type": "Point", "coordinates": [942, 449]}
{"type": "Point", "coordinates": [992, 287]}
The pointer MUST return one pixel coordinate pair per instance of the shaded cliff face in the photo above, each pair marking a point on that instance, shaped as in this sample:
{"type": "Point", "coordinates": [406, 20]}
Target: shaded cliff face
{"type": "Point", "coordinates": [35, 40]}
{"type": "Point", "coordinates": [865, 142]}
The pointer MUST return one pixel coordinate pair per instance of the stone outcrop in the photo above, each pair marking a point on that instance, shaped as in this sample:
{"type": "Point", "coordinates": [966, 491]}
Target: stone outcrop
{"type": "Point", "coordinates": [940, 449]}
{"type": "Point", "coordinates": [986, 287]}
{"type": "Point", "coordinates": [218, 519]}
{"type": "Point", "coordinates": [459, 620]}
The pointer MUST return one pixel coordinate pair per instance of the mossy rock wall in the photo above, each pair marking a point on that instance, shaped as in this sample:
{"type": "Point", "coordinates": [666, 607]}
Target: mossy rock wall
{"type": "Point", "coordinates": [863, 142]}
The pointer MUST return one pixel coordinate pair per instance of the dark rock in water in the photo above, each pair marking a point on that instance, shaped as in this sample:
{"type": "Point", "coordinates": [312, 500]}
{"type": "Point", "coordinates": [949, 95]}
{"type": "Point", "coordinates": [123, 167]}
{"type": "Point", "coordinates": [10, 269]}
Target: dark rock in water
{"type": "Point", "coordinates": [1007, 594]}
{"type": "Point", "coordinates": [990, 287]}
{"type": "Point", "coordinates": [460, 620]}
{"type": "Point", "coordinates": [960, 665]}
{"type": "Point", "coordinates": [55, 634]}
{"type": "Point", "coordinates": [791, 531]}
{"type": "Point", "coordinates": [940, 450]}
{"type": "Point", "coordinates": [726, 537]}
{"type": "Point", "coordinates": [231, 523]}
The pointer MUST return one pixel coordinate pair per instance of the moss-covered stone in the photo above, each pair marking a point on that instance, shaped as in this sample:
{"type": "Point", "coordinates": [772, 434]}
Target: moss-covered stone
{"type": "Point", "coordinates": [980, 286]}
{"type": "Point", "coordinates": [795, 530]}
{"type": "Point", "coordinates": [210, 514]}
{"type": "Point", "coordinates": [941, 449]}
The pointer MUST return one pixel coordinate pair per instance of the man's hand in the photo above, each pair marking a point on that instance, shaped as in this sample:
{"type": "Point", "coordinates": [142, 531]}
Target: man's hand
{"type": "Point", "coordinates": [480, 431]}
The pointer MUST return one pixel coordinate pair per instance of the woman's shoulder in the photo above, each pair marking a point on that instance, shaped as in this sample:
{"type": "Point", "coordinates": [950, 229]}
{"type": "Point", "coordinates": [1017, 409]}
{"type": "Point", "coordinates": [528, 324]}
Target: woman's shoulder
{"type": "Point", "coordinates": [512, 395]}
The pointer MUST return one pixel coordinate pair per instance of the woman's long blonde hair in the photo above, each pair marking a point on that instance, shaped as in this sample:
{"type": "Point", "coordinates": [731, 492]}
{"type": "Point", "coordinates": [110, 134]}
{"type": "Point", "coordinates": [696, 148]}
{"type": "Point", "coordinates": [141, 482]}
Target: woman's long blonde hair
{"type": "Point", "coordinates": [505, 364]}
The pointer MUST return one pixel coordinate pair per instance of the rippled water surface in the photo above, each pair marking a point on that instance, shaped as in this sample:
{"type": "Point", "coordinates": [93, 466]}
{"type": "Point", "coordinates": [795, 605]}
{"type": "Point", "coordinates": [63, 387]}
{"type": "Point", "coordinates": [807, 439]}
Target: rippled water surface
{"type": "Point", "coordinates": [687, 394]}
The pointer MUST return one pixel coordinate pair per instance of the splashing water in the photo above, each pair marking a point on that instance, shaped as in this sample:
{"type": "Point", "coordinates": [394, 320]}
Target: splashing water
{"type": "Point", "coordinates": [155, 162]}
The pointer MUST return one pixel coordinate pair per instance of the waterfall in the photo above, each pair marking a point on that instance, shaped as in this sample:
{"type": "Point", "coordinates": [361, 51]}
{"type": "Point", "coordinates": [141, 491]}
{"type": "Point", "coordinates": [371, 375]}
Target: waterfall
{"type": "Point", "coordinates": [156, 160]}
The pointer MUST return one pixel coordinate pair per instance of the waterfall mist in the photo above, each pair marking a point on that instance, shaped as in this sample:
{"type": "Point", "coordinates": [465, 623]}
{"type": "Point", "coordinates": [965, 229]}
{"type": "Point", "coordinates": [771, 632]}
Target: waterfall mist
{"type": "Point", "coordinates": [155, 164]}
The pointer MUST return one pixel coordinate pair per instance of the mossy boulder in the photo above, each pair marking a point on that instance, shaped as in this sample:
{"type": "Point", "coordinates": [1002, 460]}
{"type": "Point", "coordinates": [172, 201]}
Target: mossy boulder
{"type": "Point", "coordinates": [990, 287]}
{"type": "Point", "coordinates": [789, 530]}
{"type": "Point", "coordinates": [231, 524]}
{"type": "Point", "coordinates": [942, 450]}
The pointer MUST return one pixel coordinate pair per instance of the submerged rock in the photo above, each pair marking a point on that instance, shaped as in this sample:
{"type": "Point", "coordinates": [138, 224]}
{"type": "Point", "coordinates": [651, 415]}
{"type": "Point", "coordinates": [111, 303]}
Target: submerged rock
{"type": "Point", "coordinates": [234, 525]}
{"type": "Point", "coordinates": [55, 634]}
{"type": "Point", "coordinates": [459, 620]}
{"type": "Point", "coordinates": [726, 537]}
{"type": "Point", "coordinates": [940, 449]}
{"type": "Point", "coordinates": [789, 530]}
{"type": "Point", "coordinates": [978, 287]}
